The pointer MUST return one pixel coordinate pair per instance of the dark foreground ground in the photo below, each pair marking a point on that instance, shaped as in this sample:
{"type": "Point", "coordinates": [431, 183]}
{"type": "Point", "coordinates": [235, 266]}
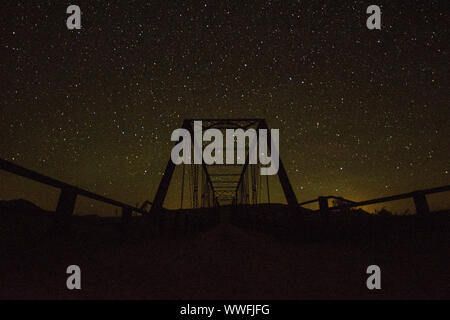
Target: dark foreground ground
{"type": "Point", "coordinates": [226, 258]}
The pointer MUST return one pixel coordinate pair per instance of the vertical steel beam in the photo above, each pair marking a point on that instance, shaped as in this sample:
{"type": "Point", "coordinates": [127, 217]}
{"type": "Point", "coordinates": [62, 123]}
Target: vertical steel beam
{"type": "Point", "coordinates": [165, 181]}
{"type": "Point", "coordinates": [282, 175]}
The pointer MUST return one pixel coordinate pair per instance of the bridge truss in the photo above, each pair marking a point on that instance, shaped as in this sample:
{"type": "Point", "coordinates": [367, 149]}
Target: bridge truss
{"type": "Point", "coordinates": [223, 184]}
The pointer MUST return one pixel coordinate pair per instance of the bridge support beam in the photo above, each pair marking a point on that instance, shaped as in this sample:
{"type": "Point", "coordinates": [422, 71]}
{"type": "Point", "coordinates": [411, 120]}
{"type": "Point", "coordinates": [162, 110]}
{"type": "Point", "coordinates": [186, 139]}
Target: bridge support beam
{"type": "Point", "coordinates": [282, 175]}
{"type": "Point", "coordinates": [168, 173]}
{"type": "Point", "coordinates": [165, 181]}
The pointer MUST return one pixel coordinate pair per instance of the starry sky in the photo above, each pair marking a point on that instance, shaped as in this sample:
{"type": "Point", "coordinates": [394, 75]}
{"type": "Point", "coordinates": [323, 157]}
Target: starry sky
{"type": "Point", "coordinates": [362, 113]}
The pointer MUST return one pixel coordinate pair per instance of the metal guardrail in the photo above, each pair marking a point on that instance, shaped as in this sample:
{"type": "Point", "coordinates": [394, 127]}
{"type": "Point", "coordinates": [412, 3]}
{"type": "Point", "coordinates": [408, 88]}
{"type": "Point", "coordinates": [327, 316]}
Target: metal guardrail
{"type": "Point", "coordinates": [69, 193]}
{"type": "Point", "coordinates": [419, 197]}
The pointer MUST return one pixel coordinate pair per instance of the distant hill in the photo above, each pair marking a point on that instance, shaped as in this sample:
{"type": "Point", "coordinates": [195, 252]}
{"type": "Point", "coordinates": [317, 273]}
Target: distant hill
{"type": "Point", "coordinates": [21, 205]}
{"type": "Point", "coordinates": [27, 207]}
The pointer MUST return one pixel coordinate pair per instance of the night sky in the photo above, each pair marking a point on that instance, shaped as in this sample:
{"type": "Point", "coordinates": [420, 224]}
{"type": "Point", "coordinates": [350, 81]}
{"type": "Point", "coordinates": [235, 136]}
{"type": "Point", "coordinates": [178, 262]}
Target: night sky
{"type": "Point", "coordinates": [361, 113]}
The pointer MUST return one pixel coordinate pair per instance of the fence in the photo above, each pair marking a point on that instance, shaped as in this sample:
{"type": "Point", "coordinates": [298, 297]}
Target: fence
{"type": "Point", "coordinates": [69, 193]}
{"type": "Point", "coordinates": [419, 197]}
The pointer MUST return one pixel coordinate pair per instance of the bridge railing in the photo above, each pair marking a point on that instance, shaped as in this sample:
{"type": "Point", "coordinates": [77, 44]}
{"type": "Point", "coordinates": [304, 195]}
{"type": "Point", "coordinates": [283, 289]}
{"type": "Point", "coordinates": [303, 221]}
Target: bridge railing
{"type": "Point", "coordinates": [69, 193]}
{"type": "Point", "coordinates": [419, 197]}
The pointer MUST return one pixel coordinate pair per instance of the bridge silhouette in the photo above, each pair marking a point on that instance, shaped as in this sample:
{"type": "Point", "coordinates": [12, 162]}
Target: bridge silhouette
{"type": "Point", "coordinates": [213, 186]}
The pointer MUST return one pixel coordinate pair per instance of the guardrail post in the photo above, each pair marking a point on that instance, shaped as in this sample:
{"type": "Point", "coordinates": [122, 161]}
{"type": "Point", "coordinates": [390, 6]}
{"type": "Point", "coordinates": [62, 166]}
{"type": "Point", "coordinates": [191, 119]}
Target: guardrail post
{"type": "Point", "coordinates": [323, 206]}
{"type": "Point", "coordinates": [126, 215]}
{"type": "Point", "coordinates": [66, 204]}
{"type": "Point", "coordinates": [420, 201]}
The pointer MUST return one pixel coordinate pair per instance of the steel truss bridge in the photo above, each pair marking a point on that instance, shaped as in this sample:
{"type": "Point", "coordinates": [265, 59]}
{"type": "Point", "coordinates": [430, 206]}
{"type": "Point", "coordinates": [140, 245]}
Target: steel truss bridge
{"type": "Point", "coordinates": [223, 184]}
